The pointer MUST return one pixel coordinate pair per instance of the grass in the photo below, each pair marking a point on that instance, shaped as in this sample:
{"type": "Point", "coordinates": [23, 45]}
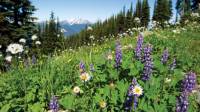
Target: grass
{"type": "Point", "coordinates": [31, 89]}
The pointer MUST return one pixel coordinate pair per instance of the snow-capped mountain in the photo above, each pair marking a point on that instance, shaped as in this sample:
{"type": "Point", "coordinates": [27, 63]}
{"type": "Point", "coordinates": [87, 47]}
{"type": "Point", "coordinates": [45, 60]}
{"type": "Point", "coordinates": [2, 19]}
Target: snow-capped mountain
{"type": "Point", "coordinates": [73, 26]}
{"type": "Point", "coordinates": [75, 21]}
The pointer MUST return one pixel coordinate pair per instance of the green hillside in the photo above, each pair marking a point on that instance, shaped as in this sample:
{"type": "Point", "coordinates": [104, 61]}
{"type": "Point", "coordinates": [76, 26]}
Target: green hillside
{"type": "Point", "coordinates": [105, 87]}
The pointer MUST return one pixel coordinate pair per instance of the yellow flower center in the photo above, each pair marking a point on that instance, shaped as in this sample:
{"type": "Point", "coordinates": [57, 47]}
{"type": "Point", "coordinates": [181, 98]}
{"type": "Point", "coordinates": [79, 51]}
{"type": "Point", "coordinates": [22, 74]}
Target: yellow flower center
{"type": "Point", "coordinates": [83, 77]}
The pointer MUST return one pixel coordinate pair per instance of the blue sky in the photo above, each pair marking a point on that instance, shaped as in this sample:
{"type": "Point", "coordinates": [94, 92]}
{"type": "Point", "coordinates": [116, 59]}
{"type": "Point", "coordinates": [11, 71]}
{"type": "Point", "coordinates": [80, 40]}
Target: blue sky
{"type": "Point", "coordinates": [91, 10]}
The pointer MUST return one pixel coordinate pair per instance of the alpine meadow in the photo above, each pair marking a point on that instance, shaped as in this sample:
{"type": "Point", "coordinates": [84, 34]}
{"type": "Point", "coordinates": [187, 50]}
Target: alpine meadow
{"type": "Point", "coordinates": [113, 56]}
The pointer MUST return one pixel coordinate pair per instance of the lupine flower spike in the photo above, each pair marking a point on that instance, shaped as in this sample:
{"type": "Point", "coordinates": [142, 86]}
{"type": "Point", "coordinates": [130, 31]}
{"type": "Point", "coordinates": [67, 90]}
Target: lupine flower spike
{"type": "Point", "coordinates": [187, 86]}
{"type": "Point", "coordinates": [138, 49]}
{"type": "Point", "coordinates": [148, 63]}
{"type": "Point", "coordinates": [82, 67]}
{"type": "Point", "coordinates": [118, 55]}
{"type": "Point", "coordinates": [165, 56]}
{"type": "Point", "coordinates": [189, 82]}
{"type": "Point", "coordinates": [134, 92]}
{"type": "Point", "coordinates": [173, 65]}
{"type": "Point", "coordinates": [53, 105]}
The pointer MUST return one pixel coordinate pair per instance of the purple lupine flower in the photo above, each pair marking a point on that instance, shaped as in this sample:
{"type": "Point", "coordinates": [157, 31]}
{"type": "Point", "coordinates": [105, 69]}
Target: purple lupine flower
{"type": "Point", "coordinates": [189, 82]}
{"type": "Point", "coordinates": [131, 99]}
{"type": "Point", "coordinates": [182, 102]}
{"type": "Point", "coordinates": [148, 63]}
{"type": "Point", "coordinates": [165, 56]}
{"type": "Point", "coordinates": [173, 65]}
{"type": "Point", "coordinates": [34, 59]}
{"type": "Point", "coordinates": [53, 105]}
{"type": "Point", "coordinates": [138, 49]}
{"type": "Point", "coordinates": [82, 67]}
{"type": "Point", "coordinates": [118, 55]}
{"type": "Point", "coordinates": [92, 68]}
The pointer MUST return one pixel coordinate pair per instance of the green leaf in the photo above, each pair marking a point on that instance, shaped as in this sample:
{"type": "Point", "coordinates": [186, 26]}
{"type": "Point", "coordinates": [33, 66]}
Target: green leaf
{"type": "Point", "coordinates": [67, 101]}
{"type": "Point", "coordinates": [5, 108]}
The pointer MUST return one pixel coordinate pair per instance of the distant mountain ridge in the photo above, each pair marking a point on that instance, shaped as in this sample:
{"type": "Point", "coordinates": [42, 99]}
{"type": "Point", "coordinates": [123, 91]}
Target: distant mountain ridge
{"type": "Point", "coordinates": [73, 26]}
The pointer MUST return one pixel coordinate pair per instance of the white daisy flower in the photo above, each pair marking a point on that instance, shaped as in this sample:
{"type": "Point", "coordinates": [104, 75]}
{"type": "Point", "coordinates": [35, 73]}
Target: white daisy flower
{"type": "Point", "coordinates": [85, 77]}
{"type": "Point", "coordinates": [15, 48]}
{"type": "Point", "coordinates": [22, 40]}
{"type": "Point", "coordinates": [8, 58]}
{"type": "Point", "coordinates": [76, 90]}
{"type": "Point", "coordinates": [0, 46]}
{"type": "Point", "coordinates": [34, 37]}
{"type": "Point", "coordinates": [137, 90]}
{"type": "Point", "coordinates": [167, 80]}
{"type": "Point", "coordinates": [37, 42]}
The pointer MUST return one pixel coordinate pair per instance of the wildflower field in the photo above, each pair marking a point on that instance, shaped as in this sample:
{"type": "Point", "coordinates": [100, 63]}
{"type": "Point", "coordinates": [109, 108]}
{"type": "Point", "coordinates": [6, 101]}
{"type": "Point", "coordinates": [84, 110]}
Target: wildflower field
{"type": "Point", "coordinates": [157, 71]}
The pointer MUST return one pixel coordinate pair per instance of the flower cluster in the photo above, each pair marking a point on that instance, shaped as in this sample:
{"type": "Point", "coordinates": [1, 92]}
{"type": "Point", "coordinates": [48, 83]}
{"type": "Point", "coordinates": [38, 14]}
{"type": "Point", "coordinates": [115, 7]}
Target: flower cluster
{"type": "Point", "coordinates": [165, 56]}
{"type": "Point", "coordinates": [138, 49]}
{"type": "Point", "coordinates": [182, 103]}
{"type": "Point", "coordinates": [148, 63]}
{"type": "Point", "coordinates": [53, 105]}
{"type": "Point", "coordinates": [15, 48]}
{"type": "Point", "coordinates": [187, 86]}
{"type": "Point", "coordinates": [134, 92]}
{"type": "Point", "coordinates": [189, 82]}
{"type": "Point", "coordinates": [173, 65]}
{"type": "Point", "coordinates": [76, 90]}
{"type": "Point", "coordinates": [82, 67]}
{"type": "Point", "coordinates": [84, 76]}
{"type": "Point", "coordinates": [118, 55]}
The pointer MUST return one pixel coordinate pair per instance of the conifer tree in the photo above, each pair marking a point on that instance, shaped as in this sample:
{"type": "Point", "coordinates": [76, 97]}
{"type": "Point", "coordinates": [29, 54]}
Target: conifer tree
{"type": "Point", "coordinates": [138, 10]}
{"type": "Point", "coordinates": [162, 11]}
{"type": "Point", "coordinates": [145, 13]}
{"type": "Point", "coordinates": [183, 6]}
{"type": "Point", "coordinates": [129, 17]}
{"type": "Point", "coordinates": [19, 22]}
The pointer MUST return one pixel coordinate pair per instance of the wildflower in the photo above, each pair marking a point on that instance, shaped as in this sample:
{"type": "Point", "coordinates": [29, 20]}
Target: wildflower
{"type": "Point", "coordinates": [182, 103]}
{"type": "Point", "coordinates": [85, 77]}
{"type": "Point", "coordinates": [112, 85]}
{"type": "Point", "coordinates": [109, 57]}
{"type": "Point", "coordinates": [167, 80]}
{"type": "Point", "coordinates": [137, 20]}
{"type": "Point", "coordinates": [137, 90]}
{"type": "Point", "coordinates": [76, 90]}
{"type": "Point", "coordinates": [189, 82]}
{"type": "Point", "coordinates": [138, 49]}
{"type": "Point", "coordinates": [53, 105]}
{"type": "Point", "coordinates": [102, 104]}
{"type": "Point", "coordinates": [92, 68]}
{"type": "Point", "coordinates": [165, 56]}
{"type": "Point", "coordinates": [148, 63]}
{"type": "Point", "coordinates": [173, 65]}
{"type": "Point", "coordinates": [118, 55]}
{"type": "Point", "coordinates": [22, 40]}
{"type": "Point", "coordinates": [37, 42]}
{"type": "Point", "coordinates": [15, 48]}
{"type": "Point", "coordinates": [89, 28]}
{"type": "Point", "coordinates": [8, 58]}
{"type": "Point", "coordinates": [133, 93]}
{"type": "Point", "coordinates": [82, 67]}
{"type": "Point", "coordinates": [0, 46]}
{"type": "Point", "coordinates": [34, 37]}
{"type": "Point", "coordinates": [92, 37]}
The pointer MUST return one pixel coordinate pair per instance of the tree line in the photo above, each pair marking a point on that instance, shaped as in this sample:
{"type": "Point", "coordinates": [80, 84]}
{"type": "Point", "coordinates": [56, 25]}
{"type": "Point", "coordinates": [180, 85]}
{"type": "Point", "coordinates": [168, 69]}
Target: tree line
{"type": "Point", "coordinates": [17, 21]}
